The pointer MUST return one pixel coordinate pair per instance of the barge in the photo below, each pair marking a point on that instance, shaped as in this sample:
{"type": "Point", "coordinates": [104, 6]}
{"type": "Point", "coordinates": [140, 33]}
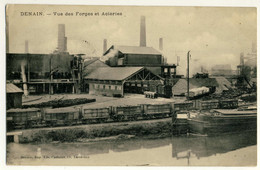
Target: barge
{"type": "Point", "coordinates": [219, 121]}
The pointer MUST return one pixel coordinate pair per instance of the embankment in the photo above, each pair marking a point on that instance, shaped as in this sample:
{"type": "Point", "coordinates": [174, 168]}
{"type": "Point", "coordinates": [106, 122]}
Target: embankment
{"type": "Point", "coordinates": [158, 128]}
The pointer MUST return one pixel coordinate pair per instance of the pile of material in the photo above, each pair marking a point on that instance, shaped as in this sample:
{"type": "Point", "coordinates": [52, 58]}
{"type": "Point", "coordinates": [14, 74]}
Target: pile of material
{"type": "Point", "coordinates": [60, 103]}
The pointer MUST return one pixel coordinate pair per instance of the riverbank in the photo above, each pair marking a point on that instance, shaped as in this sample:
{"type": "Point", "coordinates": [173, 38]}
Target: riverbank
{"type": "Point", "coordinates": [159, 128]}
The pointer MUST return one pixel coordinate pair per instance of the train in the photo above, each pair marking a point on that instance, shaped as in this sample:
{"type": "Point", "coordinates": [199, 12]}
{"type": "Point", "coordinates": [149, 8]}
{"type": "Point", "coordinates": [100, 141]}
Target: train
{"type": "Point", "coordinates": [49, 117]}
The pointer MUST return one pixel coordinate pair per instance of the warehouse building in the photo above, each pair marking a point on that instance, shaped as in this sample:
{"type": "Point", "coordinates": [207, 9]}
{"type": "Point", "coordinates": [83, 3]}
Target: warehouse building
{"type": "Point", "coordinates": [115, 81]}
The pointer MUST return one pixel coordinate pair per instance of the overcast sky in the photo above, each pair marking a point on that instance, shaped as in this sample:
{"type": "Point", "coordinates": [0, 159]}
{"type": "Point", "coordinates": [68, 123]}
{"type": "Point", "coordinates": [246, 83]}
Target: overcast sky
{"type": "Point", "coordinates": [215, 35]}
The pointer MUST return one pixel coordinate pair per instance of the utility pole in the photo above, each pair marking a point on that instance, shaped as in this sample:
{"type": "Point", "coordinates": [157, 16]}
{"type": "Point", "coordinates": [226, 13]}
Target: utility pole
{"type": "Point", "coordinates": [188, 71]}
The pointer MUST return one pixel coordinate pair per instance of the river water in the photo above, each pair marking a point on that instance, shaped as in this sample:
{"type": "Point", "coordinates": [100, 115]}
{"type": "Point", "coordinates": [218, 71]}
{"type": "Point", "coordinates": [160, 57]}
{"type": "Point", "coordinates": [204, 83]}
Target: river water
{"type": "Point", "coordinates": [225, 150]}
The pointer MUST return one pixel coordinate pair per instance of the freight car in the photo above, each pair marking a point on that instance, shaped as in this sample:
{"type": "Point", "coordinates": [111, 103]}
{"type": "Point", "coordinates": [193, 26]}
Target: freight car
{"type": "Point", "coordinates": [61, 116]}
{"type": "Point", "coordinates": [98, 115]}
{"type": "Point", "coordinates": [23, 118]}
{"type": "Point", "coordinates": [120, 113]}
{"type": "Point", "coordinates": [157, 110]}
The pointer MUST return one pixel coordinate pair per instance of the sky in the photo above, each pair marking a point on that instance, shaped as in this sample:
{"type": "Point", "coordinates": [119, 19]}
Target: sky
{"type": "Point", "coordinates": [214, 35]}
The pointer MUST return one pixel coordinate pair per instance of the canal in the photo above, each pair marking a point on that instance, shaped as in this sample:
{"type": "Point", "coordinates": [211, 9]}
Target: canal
{"type": "Point", "coordinates": [224, 150]}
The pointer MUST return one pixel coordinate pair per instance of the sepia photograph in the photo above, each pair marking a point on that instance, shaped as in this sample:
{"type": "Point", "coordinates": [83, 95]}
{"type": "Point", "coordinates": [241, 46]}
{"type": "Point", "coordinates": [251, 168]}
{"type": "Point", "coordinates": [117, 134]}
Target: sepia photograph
{"type": "Point", "coordinates": [107, 85]}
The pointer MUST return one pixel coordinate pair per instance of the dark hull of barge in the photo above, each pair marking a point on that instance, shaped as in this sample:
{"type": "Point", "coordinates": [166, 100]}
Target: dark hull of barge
{"type": "Point", "coordinates": [206, 125]}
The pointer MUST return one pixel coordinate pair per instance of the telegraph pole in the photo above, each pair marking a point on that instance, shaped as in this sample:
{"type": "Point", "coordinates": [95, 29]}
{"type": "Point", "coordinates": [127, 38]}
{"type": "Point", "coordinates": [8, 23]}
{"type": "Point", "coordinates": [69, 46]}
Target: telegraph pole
{"type": "Point", "coordinates": [188, 71]}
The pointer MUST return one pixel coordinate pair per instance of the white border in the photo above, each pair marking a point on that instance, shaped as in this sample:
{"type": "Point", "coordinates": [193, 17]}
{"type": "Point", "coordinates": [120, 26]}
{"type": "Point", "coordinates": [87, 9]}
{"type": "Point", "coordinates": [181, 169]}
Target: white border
{"type": "Point", "coordinates": [222, 3]}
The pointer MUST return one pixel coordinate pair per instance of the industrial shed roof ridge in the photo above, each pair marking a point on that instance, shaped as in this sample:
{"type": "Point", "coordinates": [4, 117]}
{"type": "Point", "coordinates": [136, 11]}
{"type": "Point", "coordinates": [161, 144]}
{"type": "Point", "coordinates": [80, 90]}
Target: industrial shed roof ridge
{"type": "Point", "coordinates": [135, 50]}
{"type": "Point", "coordinates": [11, 88]}
{"type": "Point", "coordinates": [113, 73]}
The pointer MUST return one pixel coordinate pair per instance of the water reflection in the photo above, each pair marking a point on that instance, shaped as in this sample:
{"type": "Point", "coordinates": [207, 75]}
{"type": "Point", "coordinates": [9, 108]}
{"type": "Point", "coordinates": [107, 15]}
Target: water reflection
{"type": "Point", "coordinates": [184, 147]}
{"type": "Point", "coordinates": [169, 149]}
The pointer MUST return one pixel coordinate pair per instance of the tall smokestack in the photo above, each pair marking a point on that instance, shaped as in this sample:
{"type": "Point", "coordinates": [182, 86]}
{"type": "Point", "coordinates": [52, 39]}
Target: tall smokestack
{"type": "Point", "coordinates": [26, 50]}
{"type": "Point", "coordinates": [62, 40]}
{"type": "Point", "coordinates": [142, 32]}
{"type": "Point", "coordinates": [105, 46]}
{"type": "Point", "coordinates": [161, 44]}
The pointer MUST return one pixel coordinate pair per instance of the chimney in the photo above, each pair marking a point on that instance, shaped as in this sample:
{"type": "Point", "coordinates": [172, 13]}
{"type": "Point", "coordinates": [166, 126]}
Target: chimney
{"type": "Point", "coordinates": [160, 44]}
{"type": "Point", "coordinates": [104, 46]}
{"type": "Point", "coordinates": [142, 32]}
{"type": "Point", "coordinates": [62, 40]}
{"type": "Point", "coordinates": [26, 47]}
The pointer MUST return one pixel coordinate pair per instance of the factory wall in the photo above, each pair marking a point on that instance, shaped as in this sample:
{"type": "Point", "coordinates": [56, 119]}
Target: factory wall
{"type": "Point", "coordinates": [39, 65]}
{"type": "Point", "coordinates": [142, 60]}
{"type": "Point", "coordinates": [106, 89]}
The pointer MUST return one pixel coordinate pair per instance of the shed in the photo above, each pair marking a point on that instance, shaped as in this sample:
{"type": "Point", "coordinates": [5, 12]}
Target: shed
{"type": "Point", "coordinates": [113, 81]}
{"type": "Point", "coordinates": [13, 96]}
{"type": "Point", "coordinates": [180, 88]}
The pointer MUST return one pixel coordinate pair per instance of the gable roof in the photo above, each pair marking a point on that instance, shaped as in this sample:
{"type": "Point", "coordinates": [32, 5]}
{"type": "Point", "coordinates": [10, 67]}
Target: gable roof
{"type": "Point", "coordinates": [134, 50]}
{"type": "Point", "coordinates": [113, 73]}
{"type": "Point", "coordinates": [220, 83]}
{"type": "Point", "coordinates": [208, 82]}
{"type": "Point", "coordinates": [181, 87]}
{"type": "Point", "coordinates": [11, 88]}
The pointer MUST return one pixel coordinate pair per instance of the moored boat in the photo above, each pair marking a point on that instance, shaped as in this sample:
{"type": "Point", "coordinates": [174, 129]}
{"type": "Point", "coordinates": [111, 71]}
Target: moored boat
{"type": "Point", "coordinates": [219, 121]}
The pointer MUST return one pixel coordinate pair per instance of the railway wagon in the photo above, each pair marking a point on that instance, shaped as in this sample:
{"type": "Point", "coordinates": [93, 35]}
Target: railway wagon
{"type": "Point", "coordinates": [157, 110]}
{"type": "Point", "coordinates": [126, 112]}
{"type": "Point", "coordinates": [228, 104]}
{"type": "Point", "coordinates": [61, 116]}
{"type": "Point", "coordinates": [183, 106]}
{"type": "Point", "coordinates": [95, 115]}
{"type": "Point", "coordinates": [23, 118]}
{"type": "Point", "coordinates": [207, 105]}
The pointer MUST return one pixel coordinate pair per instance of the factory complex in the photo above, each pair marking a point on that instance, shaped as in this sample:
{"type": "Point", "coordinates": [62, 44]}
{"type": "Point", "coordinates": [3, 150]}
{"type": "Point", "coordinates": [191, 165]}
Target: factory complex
{"type": "Point", "coordinates": [122, 69]}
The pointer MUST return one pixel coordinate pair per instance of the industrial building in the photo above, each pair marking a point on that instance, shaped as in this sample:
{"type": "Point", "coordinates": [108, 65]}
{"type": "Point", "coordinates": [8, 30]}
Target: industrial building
{"type": "Point", "coordinates": [42, 73]}
{"type": "Point", "coordinates": [136, 56]}
{"type": "Point", "coordinates": [115, 81]}
{"type": "Point", "coordinates": [133, 56]}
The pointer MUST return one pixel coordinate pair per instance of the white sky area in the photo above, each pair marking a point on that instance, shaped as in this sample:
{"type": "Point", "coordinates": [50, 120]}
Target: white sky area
{"type": "Point", "coordinates": [215, 35]}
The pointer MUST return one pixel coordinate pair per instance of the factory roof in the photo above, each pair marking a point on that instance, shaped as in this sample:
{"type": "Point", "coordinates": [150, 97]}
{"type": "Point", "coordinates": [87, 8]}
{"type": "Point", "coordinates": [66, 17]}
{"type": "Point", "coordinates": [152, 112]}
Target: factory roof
{"type": "Point", "coordinates": [134, 50]}
{"type": "Point", "coordinates": [88, 62]}
{"type": "Point", "coordinates": [113, 73]}
{"type": "Point", "coordinates": [11, 88]}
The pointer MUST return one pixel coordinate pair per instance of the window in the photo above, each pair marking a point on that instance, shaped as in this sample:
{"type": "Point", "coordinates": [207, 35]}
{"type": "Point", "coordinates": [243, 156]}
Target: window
{"type": "Point", "coordinates": [98, 86]}
{"type": "Point", "coordinates": [104, 86]}
{"type": "Point", "coordinates": [115, 87]}
{"type": "Point", "coordinates": [109, 87]}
